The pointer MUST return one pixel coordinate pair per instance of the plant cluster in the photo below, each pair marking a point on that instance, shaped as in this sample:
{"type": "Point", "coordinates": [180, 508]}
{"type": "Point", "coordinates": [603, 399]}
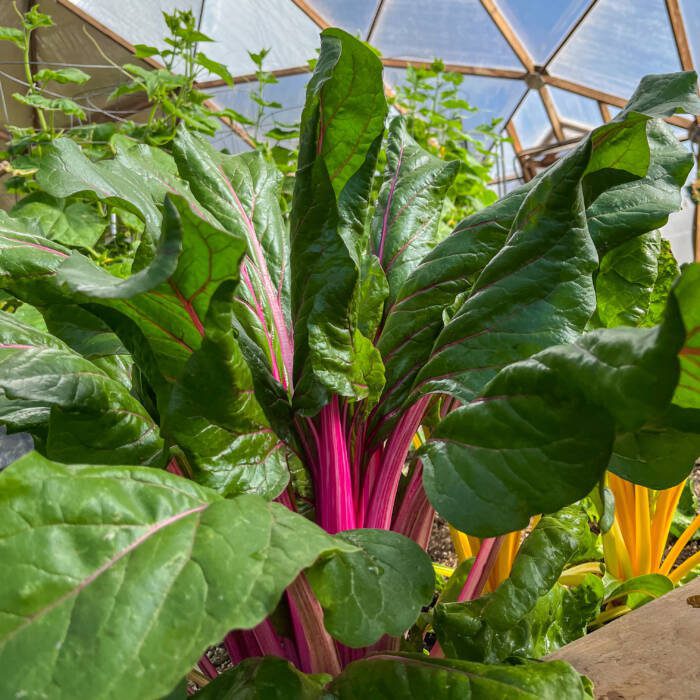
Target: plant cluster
{"type": "Point", "coordinates": [246, 439]}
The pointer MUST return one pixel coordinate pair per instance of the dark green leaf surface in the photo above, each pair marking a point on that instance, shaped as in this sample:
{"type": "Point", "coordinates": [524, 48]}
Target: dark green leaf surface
{"type": "Point", "coordinates": [135, 584]}
{"type": "Point", "coordinates": [405, 222]}
{"type": "Point", "coordinates": [537, 290]}
{"type": "Point", "coordinates": [557, 618]}
{"type": "Point", "coordinates": [241, 193]}
{"type": "Point", "coordinates": [551, 545]}
{"type": "Point", "coordinates": [72, 223]}
{"type": "Point", "coordinates": [267, 678]}
{"type": "Point", "coordinates": [341, 132]}
{"type": "Point", "coordinates": [542, 432]}
{"type": "Point", "coordinates": [75, 410]}
{"type": "Point", "coordinates": [377, 590]}
{"type": "Point", "coordinates": [408, 676]}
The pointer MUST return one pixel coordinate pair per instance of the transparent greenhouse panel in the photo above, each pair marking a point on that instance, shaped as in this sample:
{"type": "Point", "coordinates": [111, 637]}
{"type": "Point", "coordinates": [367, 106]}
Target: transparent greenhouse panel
{"type": "Point", "coordinates": [531, 122]}
{"type": "Point", "coordinates": [227, 140]}
{"type": "Point", "coordinates": [493, 97]}
{"type": "Point", "coordinates": [542, 24]}
{"type": "Point", "coordinates": [690, 9]}
{"type": "Point", "coordinates": [354, 16]}
{"type": "Point", "coordinates": [619, 42]}
{"type": "Point", "coordinates": [679, 229]}
{"type": "Point", "coordinates": [457, 31]}
{"type": "Point", "coordinates": [239, 26]}
{"type": "Point", "coordinates": [576, 109]}
{"type": "Point", "coordinates": [288, 91]}
{"type": "Point", "coordinates": [136, 21]}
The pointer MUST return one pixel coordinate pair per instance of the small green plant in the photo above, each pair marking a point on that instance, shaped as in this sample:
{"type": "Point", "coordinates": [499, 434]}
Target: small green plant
{"type": "Point", "coordinates": [171, 90]}
{"type": "Point", "coordinates": [434, 110]}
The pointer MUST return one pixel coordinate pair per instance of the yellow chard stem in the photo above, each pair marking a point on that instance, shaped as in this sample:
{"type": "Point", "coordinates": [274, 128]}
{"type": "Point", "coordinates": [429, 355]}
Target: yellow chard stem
{"type": "Point", "coordinates": [461, 544]}
{"type": "Point", "coordinates": [666, 504]}
{"type": "Point", "coordinates": [643, 529]}
{"type": "Point", "coordinates": [678, 547]}
{"type": "Point", "coordinates": [685, 568]}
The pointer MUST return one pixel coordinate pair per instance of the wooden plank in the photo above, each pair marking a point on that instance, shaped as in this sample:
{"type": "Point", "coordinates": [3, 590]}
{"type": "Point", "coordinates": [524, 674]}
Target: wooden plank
{"type": "Point", "coordinates": [459, 68]}
{"type": "Point", "coordinates": [311, 14]}
{"type": "Point", "coordinates": [509, 34]}
{"type": "Point", "coordinates": [649, 654]}
{"type": "Point", "coordinates": [676, 18]}
{"type": "Point", "coordinates": [552, 115]}
{"type": "Point", "coordinates": [604, 112]}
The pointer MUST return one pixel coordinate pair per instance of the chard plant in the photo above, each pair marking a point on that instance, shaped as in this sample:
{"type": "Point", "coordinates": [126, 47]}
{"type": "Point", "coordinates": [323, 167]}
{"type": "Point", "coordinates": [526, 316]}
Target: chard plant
{"type": "Point", "coordinates": [264, 386]}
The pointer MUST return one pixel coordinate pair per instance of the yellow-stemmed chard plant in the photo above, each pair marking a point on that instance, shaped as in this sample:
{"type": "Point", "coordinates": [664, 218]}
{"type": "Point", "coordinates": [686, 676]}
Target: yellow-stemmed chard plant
{"type": "Point", "coordinates": [636, 543]}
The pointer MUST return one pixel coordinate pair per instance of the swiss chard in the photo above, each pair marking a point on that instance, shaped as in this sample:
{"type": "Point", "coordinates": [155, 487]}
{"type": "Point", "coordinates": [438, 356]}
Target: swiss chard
{"type": "Point", "coordinates": [298, 365]}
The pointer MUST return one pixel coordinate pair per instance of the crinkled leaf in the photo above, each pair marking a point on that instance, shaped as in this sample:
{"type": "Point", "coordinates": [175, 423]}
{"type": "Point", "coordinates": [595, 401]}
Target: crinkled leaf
{"type": "Point", "coordinates": [551, 545]}
{"type": "Point", "coordinates": [557, 618]}
{"type": "Point", "coordinates": [241, 192]}
{"type": "Point", "coordinates": [403, 676]}
{"type": "Point", "coordinates": [537, 291]}
{"type": "Point", "coordinates": [405, 221]}
{"type": "Point", "coordinates": [214, 417]}
{"type": "Point", "coordinates": [375, 590]}
{"type": "Point", "coordinates": [341, 132]}
{"type": "Point", "coordinates": [62, 76]}
{"type": "Point", "coordinates": [72, 223]}
{"type": "Point", "coordinates": [76, 411]}
{"type": "Point", "coordinates": [191, 564]}
{"type": "Point", "coordinates": [542, 432]}
{"type": "Point", "coordinates": [266, 678]}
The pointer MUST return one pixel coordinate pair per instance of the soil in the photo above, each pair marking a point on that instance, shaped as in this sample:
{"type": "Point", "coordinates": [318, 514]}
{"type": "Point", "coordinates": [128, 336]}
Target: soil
{"type": "Point", "coordinates": [441, 549]}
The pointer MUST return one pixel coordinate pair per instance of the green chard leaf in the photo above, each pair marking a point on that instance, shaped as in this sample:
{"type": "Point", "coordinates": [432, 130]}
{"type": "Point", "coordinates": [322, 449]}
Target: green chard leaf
{"type": "Point", "coordinates": [405, 222]}
{"type": "Point", "coordinates": [549, 423]}
{"type": "Point", "coordinates": [537, 291]}
{"type": "Point", "coordinates": [358, 589]}
{"type": "Point", "coordinates": [624, 198]}
{"type": "Point", "coordinates": [529, 614]}
{"type": "Point", "coordinates": [241, 192]}
{"type": "Point", "coordinates": [399, 677]}
{"type": "Point", "coordinates": [74, 410]}
{"type": "Point", "coordinates": [341, 133]}
{"type": "Point", "coordinates": [152, 542]}
{"type": "Point", "coordinates": [403, 676]}
{"type": "Point", "coordinates": [72, 223]}
{"type": "Point", "coordinates": [268, 677]}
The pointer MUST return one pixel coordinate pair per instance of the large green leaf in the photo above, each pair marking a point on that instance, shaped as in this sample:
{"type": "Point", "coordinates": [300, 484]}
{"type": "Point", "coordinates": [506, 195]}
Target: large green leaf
{"type": "Point", "coordinates": [341, 132]}
{"type": "Point", "coordinates": [73, 223]}
{"type": "Point", "coordinates": [405, 222]}
{"type": "Point", "coordinates": [75, 410]}
{"type": "Point", "coordinates": [552, 544]}
{"type": "Point", "coordinates": [399, 677]}
{"type": "Point", "coordinates": [556, 618]}
{"type": "Point", "coordinates": [266, 678]}
{"type": "Point", "coordinates": [415, 319]}
{"type": "Point", "coordinates": [404, 676]}
{"type": "Point", "coordinates": [133, 585]}
{"type": "Point", "coordinates": [214, 417]}
{"type": "Point", "coordinates": [358, 590]}
{"type": "Point", "coordinates": [241, 192]}
{"type": "Point", "coordinates": [537, 291]}
{"type": "Point", "coordinates": [542, 432]}
{"type": "Point", "coordinates": [621, 202]}
{"type": "Point", "coordinates": [136, 180]}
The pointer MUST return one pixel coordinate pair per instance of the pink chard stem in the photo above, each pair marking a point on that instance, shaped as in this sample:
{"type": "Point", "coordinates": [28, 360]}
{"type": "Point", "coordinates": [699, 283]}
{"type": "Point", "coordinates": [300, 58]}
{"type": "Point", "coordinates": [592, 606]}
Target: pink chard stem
{"type": "Point", "coordinates": [480, 571]}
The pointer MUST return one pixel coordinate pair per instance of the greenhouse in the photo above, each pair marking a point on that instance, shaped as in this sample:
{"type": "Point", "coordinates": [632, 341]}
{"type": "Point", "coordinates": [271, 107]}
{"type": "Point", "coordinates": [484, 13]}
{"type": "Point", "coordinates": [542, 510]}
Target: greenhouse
{"type": "Point", "coordinates": [349, 349]}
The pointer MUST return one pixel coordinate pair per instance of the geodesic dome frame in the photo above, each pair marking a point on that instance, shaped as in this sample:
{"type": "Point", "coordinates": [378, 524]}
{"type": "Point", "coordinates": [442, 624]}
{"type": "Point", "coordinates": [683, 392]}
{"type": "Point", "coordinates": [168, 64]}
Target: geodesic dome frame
{"type": "Point", "coordinates": [551, 71]}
